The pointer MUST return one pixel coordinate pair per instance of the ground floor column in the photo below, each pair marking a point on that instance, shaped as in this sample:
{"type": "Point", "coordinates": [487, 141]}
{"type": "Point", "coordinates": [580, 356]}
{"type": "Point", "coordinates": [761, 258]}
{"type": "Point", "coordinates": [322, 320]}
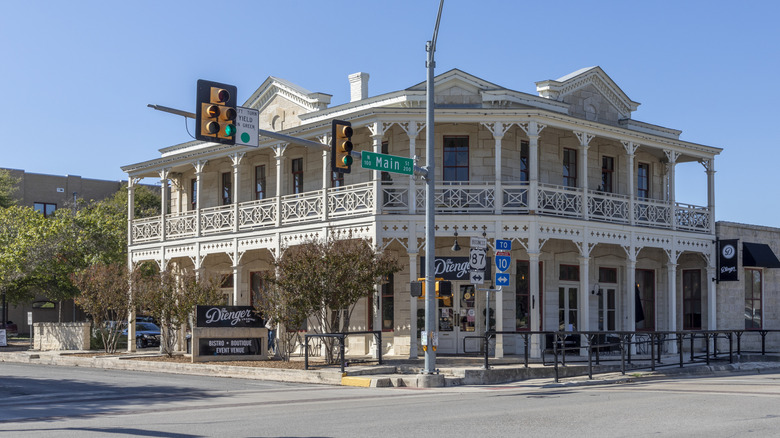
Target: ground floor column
{"type": "Point", "coordinates": [671, 278]}
{"type": "Point", "coordinates": [536, 313]}
{"type": "Point", "coordinates": [412, 308]}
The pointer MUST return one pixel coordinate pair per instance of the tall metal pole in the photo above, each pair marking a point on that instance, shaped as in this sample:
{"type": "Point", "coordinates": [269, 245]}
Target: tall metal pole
{"type": "Point", "coordinates": [431, 330]}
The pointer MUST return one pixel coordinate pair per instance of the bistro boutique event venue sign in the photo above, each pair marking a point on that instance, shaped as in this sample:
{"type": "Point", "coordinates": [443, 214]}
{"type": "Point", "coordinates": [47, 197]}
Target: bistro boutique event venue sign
{"type": "Point", "coordinates": [228, 333]}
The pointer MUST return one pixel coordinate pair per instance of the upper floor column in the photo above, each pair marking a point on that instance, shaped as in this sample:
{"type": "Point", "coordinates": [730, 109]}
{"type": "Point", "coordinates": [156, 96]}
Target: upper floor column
{"type": "Point", "coordinates": [532, 130]}
{"type": "Point", "coordinates": [630, 151]}
{"type": "Point", "coordinates": [279, 156]}
{"type": "Point", "coordinates": [498, 129]}
{"type": "Point", "coordinates": [412, 130]}
{"type": "Point", "coordinates": [164, 201]}
{"type": "Point", "coordinates": [236, 160]}
{"type": "Point", "coordinates": [709, 166]}
{"type": "Point", "coordinates": [199, 166]}
{"type": "Point", "coordinates": [327, 175]}
{"type": "Point", "coordinates": [131, 182]}
{"type": "Point", "coordinates": [672, 156]}
{"type": "Point", "coordinates": [377, 130]}
{"type": "Point", "coordinates": [584, 139]}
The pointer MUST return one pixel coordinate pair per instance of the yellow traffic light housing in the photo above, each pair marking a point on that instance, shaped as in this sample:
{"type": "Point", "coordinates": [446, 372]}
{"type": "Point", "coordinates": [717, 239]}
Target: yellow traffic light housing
{"type": "Point", "coordinates": [443, 288]}
{"type": "Point", "coordinates": [215, 113]}
{"type": "Point", "coordinates": [341, 146]}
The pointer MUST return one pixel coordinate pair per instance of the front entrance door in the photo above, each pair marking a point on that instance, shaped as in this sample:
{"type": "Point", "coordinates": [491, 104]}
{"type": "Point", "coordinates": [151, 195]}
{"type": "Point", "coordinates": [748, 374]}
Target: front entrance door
{"type": "Point", "coordinates": [567, 308]}
{"type": "Point", "coordinates": [459, 320]}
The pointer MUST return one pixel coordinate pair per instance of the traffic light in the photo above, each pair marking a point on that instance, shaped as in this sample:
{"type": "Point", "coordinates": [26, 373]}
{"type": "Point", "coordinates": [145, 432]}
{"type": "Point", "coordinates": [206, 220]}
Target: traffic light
{"type": "Point", "coordinates": [215, 113]}
{"type": "Point", "coordinates": [443, 289]}
{"type": "Point", "coordinates": [341, 147]}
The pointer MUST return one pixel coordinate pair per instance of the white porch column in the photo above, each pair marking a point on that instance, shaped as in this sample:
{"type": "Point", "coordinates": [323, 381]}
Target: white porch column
{"type": "Point", "coordinates": [630, 150]}
{"type": "Point", "coordinates": [629, 317]}
{"type": "Point", "coordinates": [236, 159]}
{"type": "Point", "coordinates": [536, 346]}
{"type": "Point", "coordinates": [584, 139]}
{"type": "Point", "coordinates": [533, 129]}
{"type": "Point", "coordinates": [672, 157]}
{"type": "Point", "coordinates": [671, 278]}
{"type": "Point", "coordinates": [709, 166]}
{"type": "Point", "coordinates": [198, 174]}
{"type": "Point", "coordinates": [164, 200]}
{"type": "Point", "coordinates": [279, 155]}
{"type": "Point", "coordinates": [412, 130]}
{"type": "Point", "coordinates": [712, 307]}
{"type": "Point", "coordinates": [131, 182]}
{"type": "Point", "coordinates": [583, 323]}
{"type": "Point", "coordinates": [498, 130]}
{"type": "Point", "coordinates": [377, 134]}
{"type": "Point", "coordinates": [327, 173]}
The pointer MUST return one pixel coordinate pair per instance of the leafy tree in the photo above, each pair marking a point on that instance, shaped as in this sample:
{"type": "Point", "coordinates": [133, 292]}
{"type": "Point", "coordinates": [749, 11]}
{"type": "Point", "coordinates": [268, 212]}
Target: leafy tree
{"type": "Point", "coordinates": [170, 297]}
{"type": "Point", "coordinates": [330, 277]}
{"type": "Point", "coordinates": [104, 296]}
{"type": "Point", "coordinates": [7, 188]}
{"type": "Point", "coordinates": [286, 310]}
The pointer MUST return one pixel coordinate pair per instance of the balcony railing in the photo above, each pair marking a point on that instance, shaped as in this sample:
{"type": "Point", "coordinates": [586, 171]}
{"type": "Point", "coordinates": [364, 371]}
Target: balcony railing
{"type": "Point", "coordinates": [453, 198]}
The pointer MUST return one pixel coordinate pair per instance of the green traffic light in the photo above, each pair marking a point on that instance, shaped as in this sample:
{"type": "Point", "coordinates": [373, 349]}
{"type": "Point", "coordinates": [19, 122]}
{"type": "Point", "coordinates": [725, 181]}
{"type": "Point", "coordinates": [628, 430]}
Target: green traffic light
{"type": "Point", "coordinates": [230, 130]}
{"type": "Point", "coordinates": [347, 160]}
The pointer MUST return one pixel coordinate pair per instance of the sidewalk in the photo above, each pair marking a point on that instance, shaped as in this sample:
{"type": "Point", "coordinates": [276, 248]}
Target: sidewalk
{"type": "Point", "coordinates": [395, 371]}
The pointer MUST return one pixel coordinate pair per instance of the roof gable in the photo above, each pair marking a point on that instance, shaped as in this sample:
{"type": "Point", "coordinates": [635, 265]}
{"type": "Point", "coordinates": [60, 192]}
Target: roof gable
{"type": "Point", "coordinates": [579, 86]}
{"type": "Point", "coordinates": [273, 87]}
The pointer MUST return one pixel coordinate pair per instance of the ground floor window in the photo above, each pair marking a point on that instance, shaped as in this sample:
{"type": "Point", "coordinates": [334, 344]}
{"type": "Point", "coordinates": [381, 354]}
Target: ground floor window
{"type": "Point", "coordinates": [692, 299]}
{"type": "Point", "coordinates": [753, 287]}
{"type": "Point", "coordinates": [607, 298]}
{"type": "Point", "coordinates": [645, 299]}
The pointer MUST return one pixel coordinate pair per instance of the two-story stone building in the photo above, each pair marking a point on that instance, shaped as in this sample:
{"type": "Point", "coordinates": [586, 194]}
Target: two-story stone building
{"type": "Point", "coordinates": [585, 193]}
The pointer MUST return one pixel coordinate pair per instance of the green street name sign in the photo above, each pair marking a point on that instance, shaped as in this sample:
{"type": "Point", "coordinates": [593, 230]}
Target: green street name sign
{"type": "Point", "coordinates": [387, 163]}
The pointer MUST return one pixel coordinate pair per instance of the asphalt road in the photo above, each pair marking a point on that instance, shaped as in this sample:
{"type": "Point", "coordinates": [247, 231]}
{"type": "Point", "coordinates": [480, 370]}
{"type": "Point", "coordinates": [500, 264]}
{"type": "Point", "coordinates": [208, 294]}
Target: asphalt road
{"type": "Point", "coordinates": [45, 401]}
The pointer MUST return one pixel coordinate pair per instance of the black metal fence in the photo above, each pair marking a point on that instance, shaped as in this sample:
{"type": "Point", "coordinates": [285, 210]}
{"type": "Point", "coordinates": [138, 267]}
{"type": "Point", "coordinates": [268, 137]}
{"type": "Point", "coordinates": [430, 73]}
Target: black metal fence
{"type": "Point", "coordinates": [637, 350]}
{"type": "Point", "coordinates": [341, 337]}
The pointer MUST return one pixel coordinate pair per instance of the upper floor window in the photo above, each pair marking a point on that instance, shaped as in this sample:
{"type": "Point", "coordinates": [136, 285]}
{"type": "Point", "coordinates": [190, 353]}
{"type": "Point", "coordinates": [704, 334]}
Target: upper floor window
{"type": "Point", "coordinates": [643, 180]}
{"type": "Point", "coordinates": [523, 161]}
{"type": "Point", "coordinates": [607, 172]}
{"type": "Point", "coordinates": [260, 182]}
{"type": "Point", "coordinates": [456, 158]}
{"type": "Point", "coordinates": [45, 208]}
{"type": "Point", "coordinates": [297, 175]}
{"type": "Point", "coordinates": [193, 194]}
{"type": "Point", "coordinates": [753, 286]}
{"type": "Point", "coordinates": [569, 167]}
{"type": "Point", "coordinates": [227, 188]}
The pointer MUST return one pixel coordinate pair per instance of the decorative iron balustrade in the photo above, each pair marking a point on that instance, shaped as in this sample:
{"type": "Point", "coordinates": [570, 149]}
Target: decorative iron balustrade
{"type": "Point", "coordinates": [560, 200]}
{"type": "Point", "coordinates": [692, 217]}
{"type": "Point", "coordinates": [652, 213]}
{"type": "Point", "coordinates": [460, 197]}
{"type": "Point", "coordinates": [394, 198]}
{"type": "Point", "coordinates": [351, 200]}
{"type": "Point", "coordinates": [180, 225]}
{"type": "Point", "coordinates": [301, 207]}
{"type": "Point", "coordinates": [257, 214]}
{"type": "Point", "coordinates": [515, 198]}
{"type": "Point", "coordinates": [147, 229]}
{"type": "Point", "coordinates": [608, 207]}
{"type": "Point", "coordinates": [217, 219]}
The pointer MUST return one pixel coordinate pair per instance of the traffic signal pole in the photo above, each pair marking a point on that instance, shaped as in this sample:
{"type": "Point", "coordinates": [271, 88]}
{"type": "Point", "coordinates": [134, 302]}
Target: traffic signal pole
{"type": "Point", "coordinates": [431, 330]}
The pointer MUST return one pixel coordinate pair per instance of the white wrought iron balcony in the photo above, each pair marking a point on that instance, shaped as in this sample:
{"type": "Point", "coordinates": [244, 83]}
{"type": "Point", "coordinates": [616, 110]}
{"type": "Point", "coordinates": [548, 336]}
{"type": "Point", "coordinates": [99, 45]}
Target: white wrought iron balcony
{"type": "Point", "coordinates": [451, 199]}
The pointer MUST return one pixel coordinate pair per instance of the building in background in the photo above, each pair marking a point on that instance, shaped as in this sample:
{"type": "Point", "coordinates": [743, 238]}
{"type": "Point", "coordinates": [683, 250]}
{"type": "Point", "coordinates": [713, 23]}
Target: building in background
{"type": "Point", "coordinates": [47, 193]}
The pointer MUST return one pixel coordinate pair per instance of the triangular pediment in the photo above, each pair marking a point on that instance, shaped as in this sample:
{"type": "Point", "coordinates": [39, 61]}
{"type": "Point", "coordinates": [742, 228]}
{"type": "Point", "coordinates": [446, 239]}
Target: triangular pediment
{"type": "Point", "coordinates": [591, 93]}
{"type": "Point", "coordinates": [280, 102]}
{"type": "Point", "coordinates": [457, 87]}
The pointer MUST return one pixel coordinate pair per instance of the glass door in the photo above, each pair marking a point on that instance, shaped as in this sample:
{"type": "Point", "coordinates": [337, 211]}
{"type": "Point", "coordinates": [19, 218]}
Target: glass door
{"type": "Point", "coordinates": [467, 320]}
{"type": "Point", "coordinates": [567, 308]}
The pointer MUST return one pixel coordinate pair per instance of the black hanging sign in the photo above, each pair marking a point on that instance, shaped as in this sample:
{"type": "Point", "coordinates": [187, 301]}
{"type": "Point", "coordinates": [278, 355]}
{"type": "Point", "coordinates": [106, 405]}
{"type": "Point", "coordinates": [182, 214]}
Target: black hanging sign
{"type": "Point", "coordinates": [727, 260]}
{"type": "Point", "coordinates": [230, 346]}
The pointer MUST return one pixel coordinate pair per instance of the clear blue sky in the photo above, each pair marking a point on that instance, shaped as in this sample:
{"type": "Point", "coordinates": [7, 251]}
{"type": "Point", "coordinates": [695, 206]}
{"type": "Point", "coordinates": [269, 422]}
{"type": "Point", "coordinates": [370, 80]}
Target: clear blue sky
{"type": "Point", "coordinates": [77, 75]}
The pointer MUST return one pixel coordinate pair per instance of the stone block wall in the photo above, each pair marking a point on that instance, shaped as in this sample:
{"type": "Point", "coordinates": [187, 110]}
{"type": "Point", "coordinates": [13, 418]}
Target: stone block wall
{"type": "Point", "coordinates": [61, 335]}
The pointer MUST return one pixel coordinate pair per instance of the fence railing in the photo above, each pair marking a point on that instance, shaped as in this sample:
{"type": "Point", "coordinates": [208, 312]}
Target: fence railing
{"type": "Point", "coordinates": [638, 350]}
{"type": "Point", "coordinates": [341, 337]}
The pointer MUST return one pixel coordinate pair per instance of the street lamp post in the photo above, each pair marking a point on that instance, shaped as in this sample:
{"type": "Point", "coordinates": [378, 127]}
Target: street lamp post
{"type": "Point", "coordinates": [431, 331]}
